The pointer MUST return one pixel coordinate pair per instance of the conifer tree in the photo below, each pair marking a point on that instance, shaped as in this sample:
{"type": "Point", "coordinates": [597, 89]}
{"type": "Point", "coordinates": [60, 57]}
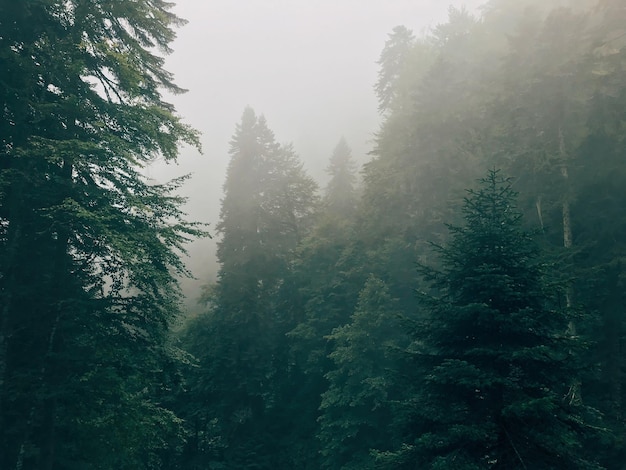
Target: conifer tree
{"type": "Point", "coordinates": [357, 404]}
{"type": "Point", "coordinates": [88, 249]}
{"type": "Point", "coordinates": [240, 342]}
{"type": "Point", "coordinates": [392, 63]}
{"type": "Point", "coordinates": [493, 352]}
{"type": "Point", "coordinates": [324, 263]}
{"type": "Point", "coordinates": [341, 195]}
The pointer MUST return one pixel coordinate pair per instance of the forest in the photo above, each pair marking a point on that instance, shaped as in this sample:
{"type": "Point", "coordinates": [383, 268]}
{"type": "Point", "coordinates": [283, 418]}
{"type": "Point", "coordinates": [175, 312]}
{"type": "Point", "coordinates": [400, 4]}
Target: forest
{"type": "Point", "coordinates": [457, 303]}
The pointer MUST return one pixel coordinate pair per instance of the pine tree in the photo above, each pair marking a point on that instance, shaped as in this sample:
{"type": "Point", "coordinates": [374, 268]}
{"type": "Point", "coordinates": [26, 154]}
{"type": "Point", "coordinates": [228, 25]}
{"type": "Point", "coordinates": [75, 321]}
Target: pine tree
{"type": "Point", "coordinates": [241, 345]}
{"type": "Point", "coordinates": [494, 353]}
{"type": "Point", "coordinates": [325, 263]}
{"type": "Point", "coordinates": [341, 196]}
{"type": "Point", "coordinates": [88, 249]}
{"type": "Point", "coordinates": [357, 404]}
{"type": "Point", "coordinates": [392, 63]}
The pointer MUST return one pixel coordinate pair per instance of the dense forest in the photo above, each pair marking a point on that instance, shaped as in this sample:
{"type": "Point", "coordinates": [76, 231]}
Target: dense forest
{"type": "Point", "coordinates": [457, 303]}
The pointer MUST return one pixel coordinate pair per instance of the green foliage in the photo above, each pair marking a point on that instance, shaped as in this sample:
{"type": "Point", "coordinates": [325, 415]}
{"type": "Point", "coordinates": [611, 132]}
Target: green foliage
{"type": "Point", "coordinates": [533, 89]}
{"type": "Point", "coordinates": [494, 357]}
{"type": "Point", "coordinates": [89, 248]}
{"type": "Point", "coordinates": [267, 205]}
{"type": "Point", "coordinates": [314, 351]}
{"type": "Point", "coordinates": [482, 382]}
{"type": "Point", "coordinates": [242, 388]}
{"type": "Point", "coordinates": [356, 405]}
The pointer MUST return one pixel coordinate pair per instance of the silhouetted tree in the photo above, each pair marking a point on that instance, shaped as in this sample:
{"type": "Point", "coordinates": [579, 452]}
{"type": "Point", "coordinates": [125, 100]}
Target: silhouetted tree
{"type": "Point", "coordinates": [240, 342]}
{"type": "Point", "coordinates": [341, 195]}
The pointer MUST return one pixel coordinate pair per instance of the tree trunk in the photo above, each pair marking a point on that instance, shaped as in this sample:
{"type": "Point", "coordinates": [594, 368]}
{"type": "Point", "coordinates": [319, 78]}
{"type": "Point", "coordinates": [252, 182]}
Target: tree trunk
{"type": "Point", "coordinates": [613, 313]}
{"type": "Point", "coordinates": [5, 333]}
{"type": "Point", "coordinates": [4, 323]}
{"type": "Point", "coordinates": [539, 213]}
{"type": "Point", "coordinates": [47, 427]}
{"type": "Point", "coordinates": [566, 216]}
{"type": "Point", "coordinates": [43, 410]}
{"type": "Point", "coordinates": [573, 396]}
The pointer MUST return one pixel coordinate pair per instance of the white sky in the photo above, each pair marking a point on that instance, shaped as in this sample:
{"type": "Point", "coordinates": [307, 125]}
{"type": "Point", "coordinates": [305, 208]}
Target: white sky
{"type": "Point", "coordinates": [308, 65]}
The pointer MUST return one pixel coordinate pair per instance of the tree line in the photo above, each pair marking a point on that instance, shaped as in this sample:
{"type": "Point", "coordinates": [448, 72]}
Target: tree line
{"type": "Point", "coordinates": [456, 304]}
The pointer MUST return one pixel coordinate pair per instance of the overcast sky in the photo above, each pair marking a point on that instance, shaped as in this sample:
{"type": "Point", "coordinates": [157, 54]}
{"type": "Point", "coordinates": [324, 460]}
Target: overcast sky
{"type": "Point", "coordinates": [308, 66]}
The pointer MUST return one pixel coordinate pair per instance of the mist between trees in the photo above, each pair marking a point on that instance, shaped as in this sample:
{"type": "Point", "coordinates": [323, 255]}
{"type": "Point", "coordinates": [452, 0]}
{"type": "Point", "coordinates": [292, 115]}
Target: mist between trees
{"type": "Point", "coordinates": [457, 303]}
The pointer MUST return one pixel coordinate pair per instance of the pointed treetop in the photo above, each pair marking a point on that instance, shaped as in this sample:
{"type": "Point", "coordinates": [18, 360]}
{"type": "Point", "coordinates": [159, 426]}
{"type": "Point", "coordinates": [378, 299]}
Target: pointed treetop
{"type": "Point", "coordinates": [391, 62]}
{"type": "Point", "coordinates": [340, 191]}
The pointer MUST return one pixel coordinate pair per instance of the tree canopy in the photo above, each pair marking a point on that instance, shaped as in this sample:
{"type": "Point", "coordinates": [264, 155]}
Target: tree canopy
{"type": "Point", "coordinates": [494, 351]}
{"type": "Point", "coordinates": [89, 249]}
{"type": "Point", "coordinates": [395, 319]}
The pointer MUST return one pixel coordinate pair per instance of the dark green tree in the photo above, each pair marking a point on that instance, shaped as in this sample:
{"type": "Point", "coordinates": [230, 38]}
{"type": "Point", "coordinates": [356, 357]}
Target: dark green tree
{"type": "Point", "coordinates": [361, 387]}
{"type": "Point", "coordinates": [325, 283]}
{"type": "Point", "coordinates": [88, 249]}
{"type": "Point", "coordinates": [240, 342]}
{"type": "Point", "coordinates": [560, 118]}
{"type": "Point", "coordinates": [495, 358]}
{"type": "Point", "coordinates": [597, 181]}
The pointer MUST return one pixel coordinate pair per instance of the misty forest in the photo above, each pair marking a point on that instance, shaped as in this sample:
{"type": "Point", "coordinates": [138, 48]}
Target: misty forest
{"type": "Point", "coordinates": [458, 302]}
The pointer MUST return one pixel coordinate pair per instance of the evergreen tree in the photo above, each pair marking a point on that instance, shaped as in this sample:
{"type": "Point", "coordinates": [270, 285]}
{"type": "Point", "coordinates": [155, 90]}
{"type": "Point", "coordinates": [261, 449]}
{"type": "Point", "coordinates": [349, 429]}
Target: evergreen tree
{"type": "Point", "coordinates": [494, 352]}
{"type": "Point", "coordinates": [325, 282]}
{"type": "Point", "coordinates": [341, 195]}
{"type": "Point", "coordinates": [598, 222]}
{"type": "Point", "coordinates": [240, 342]}
{"type": "Point", "coordinates": [88, 249]}
{"type": "Point", "coordinates": [560, 135]}
{"type": "Point", "coordinates": [357, 404]}
{"type": "Point", "coordinates": [392, 63]}
{"type": "Point", "coordinates": [324, 269]}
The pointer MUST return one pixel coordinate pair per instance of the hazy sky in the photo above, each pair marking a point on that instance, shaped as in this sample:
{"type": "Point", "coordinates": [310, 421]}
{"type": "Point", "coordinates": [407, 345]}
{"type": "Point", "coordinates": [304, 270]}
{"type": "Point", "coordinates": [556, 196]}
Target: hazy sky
{"type": "Point", "coordinates": [308, 66]}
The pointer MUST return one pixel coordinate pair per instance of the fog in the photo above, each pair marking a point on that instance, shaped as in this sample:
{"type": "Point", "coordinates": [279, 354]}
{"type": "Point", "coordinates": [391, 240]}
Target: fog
{"type": "Point", "coordinates": [308, 66]}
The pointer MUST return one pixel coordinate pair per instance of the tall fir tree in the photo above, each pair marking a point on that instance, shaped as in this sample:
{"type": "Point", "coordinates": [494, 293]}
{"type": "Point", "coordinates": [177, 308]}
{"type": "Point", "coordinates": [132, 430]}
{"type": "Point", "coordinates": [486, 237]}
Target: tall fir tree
{"type": "Point", "coordinates": [494, 353]}
{"type": "Point", "coordinates": [358, 402]}
{"type": "Point", "coordinates": [392, 63]}
{"type": "Point", "coordinates": [88, 249]}
{"type": "Point", "coordinates": [240, 342]}
{"type": "Point", "coordinates": [341, 192]}
{"type": "Point", "coordinates": [325, 264]}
